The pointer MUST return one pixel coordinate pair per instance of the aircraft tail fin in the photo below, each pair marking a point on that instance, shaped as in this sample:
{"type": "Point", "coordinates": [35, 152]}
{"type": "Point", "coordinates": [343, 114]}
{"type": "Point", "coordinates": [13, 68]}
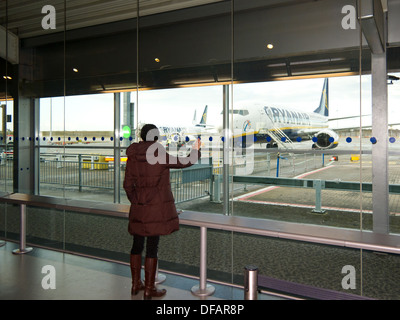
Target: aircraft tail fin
{"type": "Point", "coordinates": [203, 120]}
{"type": "Point", "coordinates": [323, 108]}
{"type": "Point", "coordinates": [194, 118]}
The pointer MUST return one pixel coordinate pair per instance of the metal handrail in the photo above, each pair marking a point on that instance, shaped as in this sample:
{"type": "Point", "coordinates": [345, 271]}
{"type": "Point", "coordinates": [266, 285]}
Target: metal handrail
{"type": "Point", "coordinates": [356, 239]}
{"type": "Point", "coordinates": [352, 238]}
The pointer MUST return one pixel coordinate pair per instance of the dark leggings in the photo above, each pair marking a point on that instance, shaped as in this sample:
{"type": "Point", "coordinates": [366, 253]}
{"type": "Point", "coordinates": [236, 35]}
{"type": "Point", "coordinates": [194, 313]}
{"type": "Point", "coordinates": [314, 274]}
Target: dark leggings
{"type": "Point", "coordinates": [151, 245]}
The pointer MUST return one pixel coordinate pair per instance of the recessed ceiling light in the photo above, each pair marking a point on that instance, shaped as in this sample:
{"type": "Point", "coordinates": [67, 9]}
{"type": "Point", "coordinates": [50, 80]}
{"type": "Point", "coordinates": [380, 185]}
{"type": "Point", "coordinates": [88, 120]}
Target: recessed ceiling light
{"type": "Point", "coordinates": [157, 60]}
{"type": "Point", "coordinates": [270, 46]}
{"type": "Point", "coordinates": [7, 77]}
{"type": "Point", "coordinates": [75, 69]}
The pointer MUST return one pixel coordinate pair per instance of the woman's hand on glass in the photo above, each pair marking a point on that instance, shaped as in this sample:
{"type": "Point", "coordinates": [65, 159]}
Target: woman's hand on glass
{"type": "Point", "coordinates": [197, 144]}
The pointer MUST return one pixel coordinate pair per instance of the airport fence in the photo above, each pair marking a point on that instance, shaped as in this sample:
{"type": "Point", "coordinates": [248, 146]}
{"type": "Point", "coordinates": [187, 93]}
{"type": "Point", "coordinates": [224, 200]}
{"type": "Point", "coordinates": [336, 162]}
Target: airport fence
{"type": "Point", "coordinates": [93, 172]}
{"type": "Point", "coordinates": [88, 173]}
{"type": "Point", "coordinates": [81, 173]}
{"type": "Point", "coordinates": [6, 169]}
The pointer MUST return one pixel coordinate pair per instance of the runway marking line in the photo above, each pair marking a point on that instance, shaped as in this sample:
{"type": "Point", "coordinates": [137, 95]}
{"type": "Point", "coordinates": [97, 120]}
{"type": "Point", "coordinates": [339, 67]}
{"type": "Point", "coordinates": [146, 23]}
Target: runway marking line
{"type": "Point", "coordinates": [266, 189]}
{"type": "Point", "coordinates": [246, 197]}
{"type": "Point", "coordinates": [305, 206]}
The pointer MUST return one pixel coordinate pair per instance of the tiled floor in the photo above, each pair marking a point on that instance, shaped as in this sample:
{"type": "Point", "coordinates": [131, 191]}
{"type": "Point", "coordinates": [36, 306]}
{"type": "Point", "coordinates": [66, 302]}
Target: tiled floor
{"type": "Point", "coordinates": [81, 278]}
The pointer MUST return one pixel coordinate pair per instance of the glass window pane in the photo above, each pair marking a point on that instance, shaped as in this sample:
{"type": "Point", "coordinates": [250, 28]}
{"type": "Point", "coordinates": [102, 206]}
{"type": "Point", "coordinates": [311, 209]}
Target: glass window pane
{"type": "Point", "coordinates": [300, 105]}
{"type": "Point", "coordinates": [76, 146]}
{"type": "Point", "coordinates": [393, 132]}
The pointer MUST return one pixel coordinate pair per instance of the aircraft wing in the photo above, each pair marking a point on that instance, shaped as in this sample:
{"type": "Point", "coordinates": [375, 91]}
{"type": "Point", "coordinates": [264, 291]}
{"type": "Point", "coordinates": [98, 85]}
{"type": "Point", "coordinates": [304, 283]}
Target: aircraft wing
{"type": "Point", "coordinates": [349, 117]}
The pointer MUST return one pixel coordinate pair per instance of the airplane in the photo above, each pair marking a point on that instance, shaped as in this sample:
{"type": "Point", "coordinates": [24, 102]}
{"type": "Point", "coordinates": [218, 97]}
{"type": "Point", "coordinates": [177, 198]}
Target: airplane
{"type": "Point", "coordinates": [274, 125]}
{"type": "Point", "coordinates": [203, 121]}
{"type": "Point", "coordinates": [183, 135]}
{"type": "Point", "coordinates": [277, 125]}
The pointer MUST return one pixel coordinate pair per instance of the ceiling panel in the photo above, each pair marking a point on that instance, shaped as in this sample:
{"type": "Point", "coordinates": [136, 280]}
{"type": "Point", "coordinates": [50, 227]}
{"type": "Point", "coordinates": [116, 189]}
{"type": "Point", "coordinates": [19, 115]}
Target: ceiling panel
{"type": "Point", "coordinates": [25, 16]}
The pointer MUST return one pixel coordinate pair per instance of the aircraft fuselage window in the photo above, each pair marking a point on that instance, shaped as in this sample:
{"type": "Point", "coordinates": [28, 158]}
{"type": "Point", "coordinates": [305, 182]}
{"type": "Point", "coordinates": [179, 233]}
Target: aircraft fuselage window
{"type": "Point", "coordinates": [241, 112]}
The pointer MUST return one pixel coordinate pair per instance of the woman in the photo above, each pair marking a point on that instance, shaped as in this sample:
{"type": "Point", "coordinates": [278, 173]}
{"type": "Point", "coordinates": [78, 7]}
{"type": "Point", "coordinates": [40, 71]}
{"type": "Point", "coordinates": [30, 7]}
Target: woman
{"type": "Point", "coordinates": [152, 212]}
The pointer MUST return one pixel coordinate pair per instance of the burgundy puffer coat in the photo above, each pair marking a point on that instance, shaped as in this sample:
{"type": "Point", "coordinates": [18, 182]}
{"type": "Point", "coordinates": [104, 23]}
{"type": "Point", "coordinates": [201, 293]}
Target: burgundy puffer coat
{"type": "Point", "coordinates": [147, 186]}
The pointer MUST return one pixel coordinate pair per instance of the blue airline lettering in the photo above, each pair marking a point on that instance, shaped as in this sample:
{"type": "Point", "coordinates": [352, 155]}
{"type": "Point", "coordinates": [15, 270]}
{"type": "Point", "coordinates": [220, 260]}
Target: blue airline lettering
{"type": "Point", "coordinates": [275, 114]}
{"type": "Point", "coordinates": [288, 116]}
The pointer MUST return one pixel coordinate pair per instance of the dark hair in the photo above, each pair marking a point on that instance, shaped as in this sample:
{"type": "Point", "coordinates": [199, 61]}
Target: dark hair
{"type": "Point", "coordinates": [149, 132]}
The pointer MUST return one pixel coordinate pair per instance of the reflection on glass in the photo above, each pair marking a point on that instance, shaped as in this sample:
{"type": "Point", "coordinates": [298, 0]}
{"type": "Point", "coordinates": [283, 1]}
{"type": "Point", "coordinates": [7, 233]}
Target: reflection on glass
{"type": "Point", "coordinates": [6, 145]}
{"type": "Point", "coordinates": [323, 176]}
{"type": "Point", "coordinates": [84, 144]}
{"type": "Point", "coordinates": [394, 151]}
{"type": "Point", "coordinates": [72, 140]}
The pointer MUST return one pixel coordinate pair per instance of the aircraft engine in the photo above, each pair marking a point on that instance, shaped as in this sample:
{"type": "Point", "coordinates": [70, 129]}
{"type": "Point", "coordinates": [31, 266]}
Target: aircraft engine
{"type": "Point", "coordinates": [326, 139]}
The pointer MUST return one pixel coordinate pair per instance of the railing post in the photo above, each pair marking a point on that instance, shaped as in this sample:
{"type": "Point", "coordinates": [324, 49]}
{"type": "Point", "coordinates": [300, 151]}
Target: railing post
{"type": "Point", "coordinates": [250, 283]}
{"type": "Point", "coordinates": [22, 245]}
{"type": "Point", "coordinates": [277, 165]}
{"type": "Point", "coordinates": [216, 195]}
{"type": "Point", "coordinates": [211, 185]}
{"type": "Point", "coordinates": [318, 185]}
{"type": "Point", "coordinates": [91, 163]}
{"type": "Point", "coordinates": [305, 161]}
{"type": "Point", "coordinates": [80, 172]}
{"type": "Point", "coordinates": [58, 162]}
{"type": "Point", "coordinates": [203, 289]}
{"type": "Point", "coordinates": [294, 165]}
{"type": "Point", "coordinates": [160, 277]}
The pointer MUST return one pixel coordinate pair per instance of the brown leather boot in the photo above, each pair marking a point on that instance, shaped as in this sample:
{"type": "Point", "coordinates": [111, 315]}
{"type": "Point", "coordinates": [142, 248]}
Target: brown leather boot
{"type": "Point", "coordinates": [136, 267]}
{"type": "Point", "coordinates": [150, 290]}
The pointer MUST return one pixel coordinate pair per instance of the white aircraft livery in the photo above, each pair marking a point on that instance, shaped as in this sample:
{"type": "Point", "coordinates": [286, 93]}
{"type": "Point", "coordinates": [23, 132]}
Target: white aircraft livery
{"type": "Point", "coordinates": [279, 125]}
{"type": "Point", "coordinates": [179, 134]}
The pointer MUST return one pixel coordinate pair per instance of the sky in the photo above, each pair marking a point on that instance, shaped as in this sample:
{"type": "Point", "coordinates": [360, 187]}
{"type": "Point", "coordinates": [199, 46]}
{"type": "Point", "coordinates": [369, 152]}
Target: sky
{"type": "Point", "coordinates": [176, 107]}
